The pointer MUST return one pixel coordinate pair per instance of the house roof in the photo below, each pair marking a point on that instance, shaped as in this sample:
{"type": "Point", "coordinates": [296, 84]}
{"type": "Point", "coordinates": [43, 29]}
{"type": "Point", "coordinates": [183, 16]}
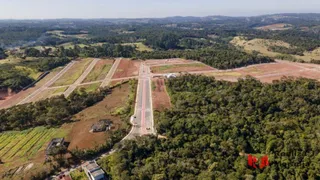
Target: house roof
{"type": "Point", "coordinates": [94, 169]}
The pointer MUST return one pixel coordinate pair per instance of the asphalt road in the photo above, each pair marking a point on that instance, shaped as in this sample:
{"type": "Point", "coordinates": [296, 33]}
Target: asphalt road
{"type": "Point", "coordinates": [81, 78]}
{"type": "Point", "coordinates": [142, 120]}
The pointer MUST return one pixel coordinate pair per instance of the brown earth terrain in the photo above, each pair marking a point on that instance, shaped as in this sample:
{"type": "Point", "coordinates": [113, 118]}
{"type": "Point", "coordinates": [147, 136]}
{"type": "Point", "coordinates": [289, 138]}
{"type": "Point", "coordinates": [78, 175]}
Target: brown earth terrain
{"type": "Point", "coordinates": [275, 27]}
{"type": "Point", "coordinates": [160, 97]}
{"type": "Point", "coordinates": [269, 72]}
{"type": "Point", "coordinates": [127, 68]}
{"type": "Point", "coordinates": [16, 98]}
{"type": "Point", "coordinates": [80, 137]}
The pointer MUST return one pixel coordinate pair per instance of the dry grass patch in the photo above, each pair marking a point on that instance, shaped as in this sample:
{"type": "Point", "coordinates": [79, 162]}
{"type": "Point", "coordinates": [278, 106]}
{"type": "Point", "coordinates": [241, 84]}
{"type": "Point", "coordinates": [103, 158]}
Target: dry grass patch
{"type": "Point", "coordinates": [276, 27]}
{"type": "Point", "coordinates": [100, 71]}
{"type": "Point", "coordinates": [73, 73]}
{"type": "Point", "coordinates": [81, 137]}
{"type": "Point", "coordinates": [180, 68]}
{"type": "Point", "coordinates": [262, 46]}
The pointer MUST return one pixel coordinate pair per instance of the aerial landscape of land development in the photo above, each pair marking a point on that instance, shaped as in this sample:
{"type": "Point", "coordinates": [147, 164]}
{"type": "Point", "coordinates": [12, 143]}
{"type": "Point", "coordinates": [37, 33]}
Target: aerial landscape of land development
{"type": "Point", "coordinates": [181, 97]}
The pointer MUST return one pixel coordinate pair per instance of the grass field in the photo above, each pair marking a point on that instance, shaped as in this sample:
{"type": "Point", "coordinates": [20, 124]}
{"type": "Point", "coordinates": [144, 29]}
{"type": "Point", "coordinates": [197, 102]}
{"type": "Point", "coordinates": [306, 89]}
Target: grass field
{"type": "Point", "coordinates": [140, 46]}
{"type": "Point", "coordinates": [179, 68]}
{"type": "Point", "coordinates": [48, 93]}
{"type": "Point", "coordinates": [262, 46]}
{"type": "Point", "coordinates": [26, 144]}
{"type": "Point", "coordinates": [59, 34]}
{"type": "Point", "coordinates": [100, 71]}
{"type": "Point", "coordinates": [73, 73]}
{"type": "Point", "coordinates": [89, 88]}
{"type": "Point", "coordinates": [217, 74]}
{"type": "Point", "coordinates": [78, 175]}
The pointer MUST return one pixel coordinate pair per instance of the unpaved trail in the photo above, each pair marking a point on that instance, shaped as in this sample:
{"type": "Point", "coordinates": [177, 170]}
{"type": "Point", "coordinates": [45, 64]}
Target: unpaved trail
{"type": "Point", "coordinates": [48, 84]}
{"type": "Point", "coordinates": [111, 72]}
{"type": "Point", "coordinates": [81, 78]}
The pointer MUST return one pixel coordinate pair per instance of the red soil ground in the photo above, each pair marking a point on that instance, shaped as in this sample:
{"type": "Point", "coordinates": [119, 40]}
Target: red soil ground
{"type": "Point", "coordinates": [127, 68]}
{"type": "Point", "coordinates": [80, 136]}
{"type": "Point", "coordinates": [160, 97]}
{"type": "Point", "coordinates": [16, 98]}
{"type": "Point", "coordinates": [273, 71]}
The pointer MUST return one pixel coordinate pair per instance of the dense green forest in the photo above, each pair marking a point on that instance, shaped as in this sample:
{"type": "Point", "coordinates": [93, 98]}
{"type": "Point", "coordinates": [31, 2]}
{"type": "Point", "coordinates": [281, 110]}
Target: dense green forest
{"type": "Point", "coordinates": [2, 54]}
{"type": "Point", "coordinates": [213, 124]}
{"type": "Point", "coordinates": [10, 77]}
{"type": "Point", "coordinates": [50, 112]}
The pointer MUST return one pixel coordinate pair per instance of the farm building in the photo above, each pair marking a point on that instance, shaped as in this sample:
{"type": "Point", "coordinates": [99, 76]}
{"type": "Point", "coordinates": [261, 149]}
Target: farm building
{"type": "Point", "coordinates": [54, 143]}
{"type": "Point", "coordinates": [93, 171]}
{"type": "Point", "coordinates": [101, 125]}
{"type": "Point", "coordinates": [171, 75]}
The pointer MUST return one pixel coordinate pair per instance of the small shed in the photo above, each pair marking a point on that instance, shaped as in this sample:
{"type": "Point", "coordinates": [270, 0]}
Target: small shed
{"type": "Point", "coordinates": [101, 125]}
{"type": "Point", "coordinates": [54, 143]}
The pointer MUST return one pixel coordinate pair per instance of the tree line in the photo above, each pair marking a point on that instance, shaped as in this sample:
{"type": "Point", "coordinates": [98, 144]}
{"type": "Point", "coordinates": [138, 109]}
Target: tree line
{"type": "Point", "coordinates": [49, 112]}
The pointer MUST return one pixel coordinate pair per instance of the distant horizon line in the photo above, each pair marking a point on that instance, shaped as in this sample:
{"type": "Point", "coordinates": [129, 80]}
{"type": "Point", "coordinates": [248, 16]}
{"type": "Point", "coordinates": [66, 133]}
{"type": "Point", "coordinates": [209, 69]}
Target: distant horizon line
{"type": "Point", "coordinates": [164, 17]}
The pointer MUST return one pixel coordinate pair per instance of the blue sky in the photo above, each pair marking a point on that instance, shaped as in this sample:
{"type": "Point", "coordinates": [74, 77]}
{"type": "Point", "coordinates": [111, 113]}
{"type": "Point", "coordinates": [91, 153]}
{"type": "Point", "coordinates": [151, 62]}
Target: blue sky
{"type": "Point", "coordinates": [50, 9]}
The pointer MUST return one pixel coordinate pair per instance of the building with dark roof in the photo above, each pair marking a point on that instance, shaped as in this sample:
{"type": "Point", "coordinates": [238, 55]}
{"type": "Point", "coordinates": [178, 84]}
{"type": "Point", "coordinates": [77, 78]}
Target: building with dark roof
{"type": "Point", "coordinates": [101, 125]}
{"type": "Point", "coordinates": [93, 171]}
{"type": "Point", "coordinates": [54, 143]}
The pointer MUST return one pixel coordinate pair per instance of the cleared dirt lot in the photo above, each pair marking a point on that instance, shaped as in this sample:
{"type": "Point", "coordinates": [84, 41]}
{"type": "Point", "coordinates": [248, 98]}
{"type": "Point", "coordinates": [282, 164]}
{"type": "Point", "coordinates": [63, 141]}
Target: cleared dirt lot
{"type": "Point", "coordinates": [99, 71]}
{"type": "Point", "coordinates": [272, 71]}
{"type": "Point", "coordinates": [174, 68]}
{"type": "Point", "coordinates": [127, 68]}
{"type": "Point", "coordinates": [16, 98]}
{"type": "Point", "coordinates": [276, 27]}
{"type": "Point", "coordinates": [80, 136]}
{"type": "Point", "coordinates": [160, 97]}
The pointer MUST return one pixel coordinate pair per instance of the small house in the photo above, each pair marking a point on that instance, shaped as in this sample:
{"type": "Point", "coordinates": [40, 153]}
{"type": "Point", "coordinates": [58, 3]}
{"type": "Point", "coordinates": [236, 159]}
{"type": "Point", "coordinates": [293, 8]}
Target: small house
{"type": "Point", "coordinates": [101, 125]}
{"type": "Point", "coordinates": [54, 143]}
{"type": "Point", "coordinates": [93, 171]}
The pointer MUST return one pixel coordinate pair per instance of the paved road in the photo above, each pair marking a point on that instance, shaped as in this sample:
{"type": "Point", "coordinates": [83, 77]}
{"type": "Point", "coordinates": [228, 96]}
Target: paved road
{"type": "Point", "coordinates": [49, 83]}
{"type": "Point", "coordinates": [111, 72]}
{"type": "Point", "coordinates": [81, 78]}
{"type": "Point", "coordinates": [142, 120]}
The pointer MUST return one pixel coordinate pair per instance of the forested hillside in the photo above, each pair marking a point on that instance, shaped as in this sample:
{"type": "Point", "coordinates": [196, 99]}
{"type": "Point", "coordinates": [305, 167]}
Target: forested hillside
{"type": "Point", "coordinates": [213, 124]}
{"type": "Point", "coordinates": [50, 112]}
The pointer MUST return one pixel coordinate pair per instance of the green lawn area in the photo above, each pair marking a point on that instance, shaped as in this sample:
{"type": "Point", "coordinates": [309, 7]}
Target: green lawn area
{"type": "Point", "coordinates": [26, 144]}
{"type": "Point", "coordinates": [73, 73]}
{"type": "Point", "coordinates": [78, 175]}
{"type": "Point", "coordinates": [140, 46]}
{"type": "Point", "coordinates": [170, 67]}
{"type": "Point", "coordinates": [89, 88]}
{"type": "Point", "coordinates": [100, 71]}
